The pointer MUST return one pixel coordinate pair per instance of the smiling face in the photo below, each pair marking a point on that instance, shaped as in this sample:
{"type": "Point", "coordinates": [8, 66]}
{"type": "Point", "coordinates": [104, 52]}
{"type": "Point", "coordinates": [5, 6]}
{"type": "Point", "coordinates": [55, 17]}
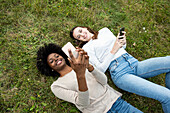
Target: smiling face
{"type": "Point", "coordinates": [82, 34]}
{"type": "Point", "coordinates": [56, 62]}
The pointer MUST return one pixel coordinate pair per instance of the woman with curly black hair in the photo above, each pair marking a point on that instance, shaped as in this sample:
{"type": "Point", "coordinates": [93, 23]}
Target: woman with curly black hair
{"type": "Point", "coordinates": [42, 55]}
{"type": "Point", "coordinates": [79, 82]}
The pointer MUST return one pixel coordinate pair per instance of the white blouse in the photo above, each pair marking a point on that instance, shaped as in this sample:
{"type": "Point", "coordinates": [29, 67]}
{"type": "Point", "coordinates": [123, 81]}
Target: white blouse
{"type": "Point", "coordinates": [99, 49]}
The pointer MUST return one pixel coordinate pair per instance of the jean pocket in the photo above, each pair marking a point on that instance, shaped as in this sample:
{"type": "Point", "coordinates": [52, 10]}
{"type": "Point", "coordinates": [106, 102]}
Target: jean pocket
{"type": "Point", "coordinates": [113, 66]}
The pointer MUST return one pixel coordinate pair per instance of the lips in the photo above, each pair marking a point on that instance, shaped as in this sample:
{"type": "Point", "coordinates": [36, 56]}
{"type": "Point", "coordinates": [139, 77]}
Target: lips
{"type": "Point", "coordinates": [59, 62]}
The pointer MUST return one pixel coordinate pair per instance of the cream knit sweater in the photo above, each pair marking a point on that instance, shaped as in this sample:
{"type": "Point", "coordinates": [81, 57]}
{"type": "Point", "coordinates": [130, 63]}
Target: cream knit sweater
{"type": "Point", "coordinates": [99, 97]}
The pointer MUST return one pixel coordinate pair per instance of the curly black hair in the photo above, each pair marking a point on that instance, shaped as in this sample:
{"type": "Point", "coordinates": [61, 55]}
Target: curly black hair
{"type": "Point", "coordinates": [42, 55]}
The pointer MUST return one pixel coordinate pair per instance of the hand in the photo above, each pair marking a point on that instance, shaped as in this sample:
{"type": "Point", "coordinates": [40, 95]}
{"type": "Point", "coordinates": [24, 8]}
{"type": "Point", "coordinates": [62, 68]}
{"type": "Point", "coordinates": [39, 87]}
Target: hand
{"type": "Point", "coordinates": [85, 55]}
{"type": "Point", "coordinates": [119, 43]}
{"type": "Point", "coordinates": [88, 66]}
{"type": "Point", "coordinates": [79, 64]}
{"type": "Point", "coordinates": [122, 39]}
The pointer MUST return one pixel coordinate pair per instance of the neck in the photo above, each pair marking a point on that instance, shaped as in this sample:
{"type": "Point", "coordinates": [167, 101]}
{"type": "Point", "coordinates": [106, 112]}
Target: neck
{"type": "Point", "coordinates": [65, 70]}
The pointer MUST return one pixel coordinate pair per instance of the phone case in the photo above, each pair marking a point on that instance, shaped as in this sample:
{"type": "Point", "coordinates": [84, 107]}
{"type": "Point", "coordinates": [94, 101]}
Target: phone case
{"type": "Point", "coordinates": [122, 29]}
{"type": "Point", "coordinates": [73, 49]}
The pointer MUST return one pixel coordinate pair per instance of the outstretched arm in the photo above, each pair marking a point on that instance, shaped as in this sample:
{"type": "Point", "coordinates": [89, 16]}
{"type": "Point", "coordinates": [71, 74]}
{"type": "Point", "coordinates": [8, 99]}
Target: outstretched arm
{"type": "Point", "coordinates": [79, 66]}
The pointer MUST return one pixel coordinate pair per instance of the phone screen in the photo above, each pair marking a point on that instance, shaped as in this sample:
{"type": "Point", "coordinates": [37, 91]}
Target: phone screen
{"type": "Point", "coordinates": [73, 49]}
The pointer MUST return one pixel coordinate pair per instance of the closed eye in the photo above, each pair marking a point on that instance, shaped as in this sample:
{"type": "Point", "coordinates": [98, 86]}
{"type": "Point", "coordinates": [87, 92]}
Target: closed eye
{"type": "Point", "coordinates": [56, 56]}
{"type": "Point", "coordinates": [78, 36]}
{"type": "Point", "coordinates": [51, 61]}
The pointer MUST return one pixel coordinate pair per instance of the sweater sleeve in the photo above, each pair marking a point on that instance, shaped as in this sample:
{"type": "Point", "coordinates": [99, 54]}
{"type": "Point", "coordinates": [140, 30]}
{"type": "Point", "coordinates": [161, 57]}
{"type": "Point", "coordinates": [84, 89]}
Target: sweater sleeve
{"type": "Point", "coordinates": [76, 97]}
{"type": "Point", "coordinates": [99, 76]}
{"type": "Point", "coordinates": [102, 66]}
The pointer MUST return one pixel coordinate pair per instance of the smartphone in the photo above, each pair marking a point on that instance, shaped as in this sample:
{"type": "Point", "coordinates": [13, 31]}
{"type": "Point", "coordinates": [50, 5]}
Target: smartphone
{"type": "Point", "coordinates": [121, 29]}
{"type": "Point", "coordinates": [73, 49]}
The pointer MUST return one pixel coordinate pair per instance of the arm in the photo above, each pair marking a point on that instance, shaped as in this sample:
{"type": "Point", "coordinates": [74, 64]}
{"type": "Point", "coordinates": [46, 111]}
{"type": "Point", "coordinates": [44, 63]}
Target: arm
{"type": "Point", "coordinates": [79, 98]}
{"type": "Point", "coordinates": [102, 66]}
{"type": "Point", "coordinates": [99, 76]}
{"type": "Point", "coordinates": [79, 66]}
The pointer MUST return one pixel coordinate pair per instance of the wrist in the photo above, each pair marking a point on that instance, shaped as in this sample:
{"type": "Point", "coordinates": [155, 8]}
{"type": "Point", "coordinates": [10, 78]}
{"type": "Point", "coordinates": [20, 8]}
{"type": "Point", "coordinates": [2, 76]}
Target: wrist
{"type": "Point", "coordinates": [80, 75]}
{"type": "Point", "coordinates": [113, 52]}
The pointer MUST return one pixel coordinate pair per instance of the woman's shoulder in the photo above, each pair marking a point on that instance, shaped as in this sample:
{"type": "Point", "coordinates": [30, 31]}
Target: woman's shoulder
{"type": "Point", "coordinates": [105, 32]}
{"type": "Point", "coordinates": [105, 29]}
{"type": "Point", "coordinates": [65, 80]}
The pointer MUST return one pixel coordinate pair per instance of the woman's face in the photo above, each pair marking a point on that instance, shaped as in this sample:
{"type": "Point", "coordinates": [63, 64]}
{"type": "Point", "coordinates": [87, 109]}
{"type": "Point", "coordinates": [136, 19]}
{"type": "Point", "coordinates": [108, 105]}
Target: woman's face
{"type": "Point", "coordinates": [55, 61]}
{"type": "Point", "coordinates": [82, 34]}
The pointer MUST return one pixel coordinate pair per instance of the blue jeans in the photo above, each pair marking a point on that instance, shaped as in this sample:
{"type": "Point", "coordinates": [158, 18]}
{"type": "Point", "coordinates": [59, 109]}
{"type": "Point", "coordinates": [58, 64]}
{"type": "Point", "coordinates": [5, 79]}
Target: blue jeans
{"type": "Point", "coordinates": [129, 74]}
{"type": "Point", "coordinates": [121, 106]}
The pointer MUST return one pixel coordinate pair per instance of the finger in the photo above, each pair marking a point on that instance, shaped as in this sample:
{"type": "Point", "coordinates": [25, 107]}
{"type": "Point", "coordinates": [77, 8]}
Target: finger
{"type": "Point", "coordinates": [80, 56]}
{"type": "Point", "coordinates": [84, 53]}
{"type": "Point", "coordinates": [82, 50]}
{"type": "Point", "coordinates": [118, 35]}
{"type": "Point", "coordinates": [86, 56]}
{"type": "Point", "coordinates": [71, 55]}
{"type": "Point", "coordinates": [71, 62]}
{"type": "Point", "coordinates": [86, 60]}
{"type": "Point", "coordinates": [121, 42]}
{"type": "Point", "coordinates": [124, 32]}
{"type": "Point", "coordinates": [79, 49]}
{"type": "Point", "coordinates": [83, 60]}
{"type": "Point", "coordinates": [121, 36]}
{"type": "Point", "coordinates": [120, 39]}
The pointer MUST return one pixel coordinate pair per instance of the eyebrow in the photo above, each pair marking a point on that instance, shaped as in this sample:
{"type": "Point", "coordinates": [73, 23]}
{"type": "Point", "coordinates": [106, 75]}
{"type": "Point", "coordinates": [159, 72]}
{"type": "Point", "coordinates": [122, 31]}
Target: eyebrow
{"type": "Point", "coordinates": [50, 59]}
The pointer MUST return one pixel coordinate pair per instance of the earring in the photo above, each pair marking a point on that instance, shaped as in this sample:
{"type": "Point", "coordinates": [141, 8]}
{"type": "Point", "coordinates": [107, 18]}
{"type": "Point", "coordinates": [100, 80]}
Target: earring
{"type": "Point", "coordinates": [52, 70]}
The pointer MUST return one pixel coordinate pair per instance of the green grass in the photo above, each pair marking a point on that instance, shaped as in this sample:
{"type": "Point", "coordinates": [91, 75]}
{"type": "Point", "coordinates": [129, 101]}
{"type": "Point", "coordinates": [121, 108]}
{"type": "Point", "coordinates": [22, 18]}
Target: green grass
{"type": "Point", "coordinates": [25, 25]}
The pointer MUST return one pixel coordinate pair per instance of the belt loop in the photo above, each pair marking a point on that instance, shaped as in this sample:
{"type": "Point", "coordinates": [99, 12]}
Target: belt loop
{"type": "Point", "coordinates": [116, 60]}
{"type": "Point", "coordinates": [125, 56]}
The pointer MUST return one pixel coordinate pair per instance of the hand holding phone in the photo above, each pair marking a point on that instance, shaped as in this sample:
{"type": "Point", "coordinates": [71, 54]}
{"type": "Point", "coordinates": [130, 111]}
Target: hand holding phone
{"type": "Point", "coordinates": [72, 48]}
{"type": "Point", "coordinates": [121, 33]}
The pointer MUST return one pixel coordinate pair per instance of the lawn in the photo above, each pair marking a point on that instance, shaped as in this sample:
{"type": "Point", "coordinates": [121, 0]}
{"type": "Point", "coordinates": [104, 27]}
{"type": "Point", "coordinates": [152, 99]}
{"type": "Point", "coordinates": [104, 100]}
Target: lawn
{"type": "Point", "coordinates": [25, 25]}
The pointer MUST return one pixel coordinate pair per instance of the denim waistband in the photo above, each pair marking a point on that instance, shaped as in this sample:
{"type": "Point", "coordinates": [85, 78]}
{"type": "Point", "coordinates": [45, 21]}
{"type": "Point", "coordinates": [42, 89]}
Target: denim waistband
{"type": "Point", "coordinates": [124, 56]}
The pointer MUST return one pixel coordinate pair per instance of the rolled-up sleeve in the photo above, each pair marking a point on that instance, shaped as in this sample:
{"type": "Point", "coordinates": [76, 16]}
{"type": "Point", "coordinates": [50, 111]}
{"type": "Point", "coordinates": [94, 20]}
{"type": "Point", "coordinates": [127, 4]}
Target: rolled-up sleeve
{"type": "Point", "coordinates": [83, 98]}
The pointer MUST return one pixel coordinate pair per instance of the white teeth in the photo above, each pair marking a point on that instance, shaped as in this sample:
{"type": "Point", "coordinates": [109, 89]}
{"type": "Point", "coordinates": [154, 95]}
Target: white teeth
{"type": "Point", "coordinates": [59, 62]}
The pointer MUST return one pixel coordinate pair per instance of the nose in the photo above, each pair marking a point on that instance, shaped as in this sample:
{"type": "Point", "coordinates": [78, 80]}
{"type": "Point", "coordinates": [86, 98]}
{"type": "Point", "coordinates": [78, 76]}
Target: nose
{"type": "Point", "coordinates": [82, 35]}
{"type": "Point", "coordinates": [55, 59]}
